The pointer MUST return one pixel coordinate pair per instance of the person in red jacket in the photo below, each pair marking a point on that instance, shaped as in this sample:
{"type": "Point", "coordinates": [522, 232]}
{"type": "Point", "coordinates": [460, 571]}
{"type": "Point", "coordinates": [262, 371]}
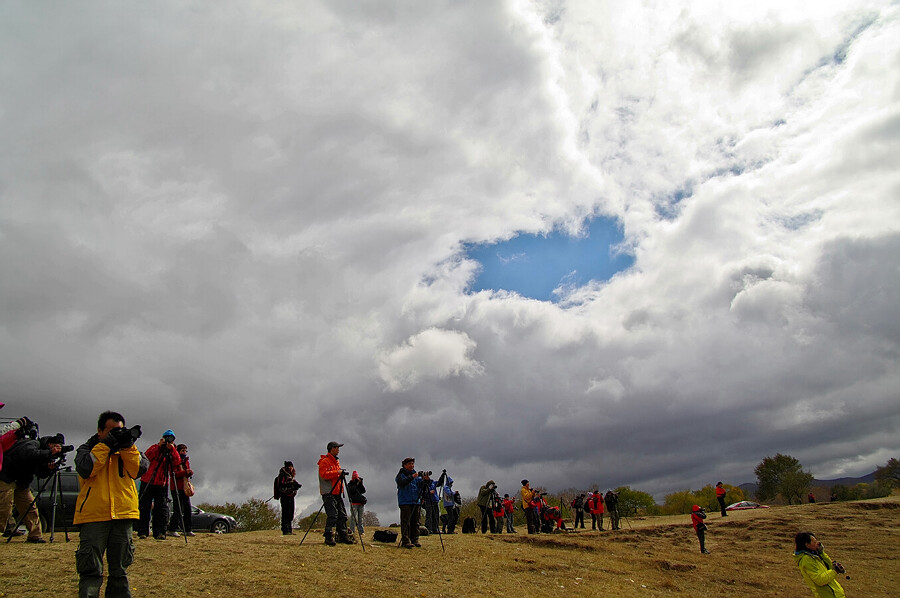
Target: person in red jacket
{"type": "Point", "coordinates": [594, 505]}
{"type": "Point", "coordinates": [499, 512]}
{"type": "Point", "coordinates": [182, 473]}
{"type": "Point", "coordinates": [509, 509]}
{"type": "Point", "coordinates": [697, 517]}
{"type": "Point", "coordinates": [720, 496]}
{"type": "Point", "coordinates": [164, 460]}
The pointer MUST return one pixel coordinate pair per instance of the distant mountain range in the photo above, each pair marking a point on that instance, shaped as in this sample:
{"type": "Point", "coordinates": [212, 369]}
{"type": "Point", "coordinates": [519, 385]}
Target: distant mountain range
{"type": "Point", "coordinates": [750, 488]}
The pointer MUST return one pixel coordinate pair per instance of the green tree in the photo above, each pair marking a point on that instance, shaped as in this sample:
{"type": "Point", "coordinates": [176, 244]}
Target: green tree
{"type": "Point", "coordinates": [632, 502]}
{"type": "Point", "coordinates": [889, 473]}
{"type": "Point", "coordinates": [678, 503]}
{"type": "Point", "coordinates": [254, 514]}
{"type": "Point", "coordinates": [784, 475]}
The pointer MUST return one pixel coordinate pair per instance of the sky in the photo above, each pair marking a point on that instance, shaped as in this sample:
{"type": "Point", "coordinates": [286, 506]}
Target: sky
{"type": "Point", "coordinates": [547, 266]}
{"type": "Point", "coordinates": [253, 223]}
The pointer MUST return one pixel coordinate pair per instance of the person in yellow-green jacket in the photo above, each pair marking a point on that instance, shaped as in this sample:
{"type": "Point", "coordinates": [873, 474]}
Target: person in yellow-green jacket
{"type": "Point", "coordinates": [818, 570]}
{"type": "Point", "coordinates": [107, 506]}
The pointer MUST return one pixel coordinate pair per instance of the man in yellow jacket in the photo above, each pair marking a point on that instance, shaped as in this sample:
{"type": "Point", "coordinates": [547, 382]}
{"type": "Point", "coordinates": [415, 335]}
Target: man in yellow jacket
{"type": "Point", "coordinates": [107, 507]}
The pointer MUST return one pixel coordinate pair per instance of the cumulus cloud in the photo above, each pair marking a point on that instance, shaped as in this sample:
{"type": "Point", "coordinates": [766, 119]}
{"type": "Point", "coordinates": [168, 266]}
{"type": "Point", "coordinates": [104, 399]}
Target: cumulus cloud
{"type": "Point", "coordinates": [430, 354]}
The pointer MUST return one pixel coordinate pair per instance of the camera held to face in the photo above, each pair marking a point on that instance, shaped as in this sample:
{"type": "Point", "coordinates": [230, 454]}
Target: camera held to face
{"type": "Point", "coordinates": [121, 438]}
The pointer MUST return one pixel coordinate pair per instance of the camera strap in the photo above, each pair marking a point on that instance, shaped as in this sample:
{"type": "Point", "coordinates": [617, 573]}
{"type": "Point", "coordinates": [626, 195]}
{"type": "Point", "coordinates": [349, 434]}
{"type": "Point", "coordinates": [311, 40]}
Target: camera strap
{"type": "Point", "coordinates": [121, 468]}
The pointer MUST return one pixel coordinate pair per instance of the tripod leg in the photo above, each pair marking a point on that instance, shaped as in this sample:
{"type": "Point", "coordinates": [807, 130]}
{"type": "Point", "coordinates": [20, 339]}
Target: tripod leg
{"type": "Point", "coordinates": [26, 511]}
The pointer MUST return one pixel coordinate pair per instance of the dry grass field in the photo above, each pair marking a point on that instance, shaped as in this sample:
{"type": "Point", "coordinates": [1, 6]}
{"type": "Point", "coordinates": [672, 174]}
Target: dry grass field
{"type": "Point", "coordinates": [751, 556]}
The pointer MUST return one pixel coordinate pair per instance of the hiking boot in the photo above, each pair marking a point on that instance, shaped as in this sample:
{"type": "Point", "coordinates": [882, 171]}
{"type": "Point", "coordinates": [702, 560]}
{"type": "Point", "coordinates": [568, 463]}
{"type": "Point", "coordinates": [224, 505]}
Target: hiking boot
{"type": "Point", "coordinates": [345, 538]}
{"type": "Point", "coordinates": [407, 545]}
{"type": "Point", "coordinates": [329, 539]}
{"type": "Point", "coordinates": [36, 540]}
{"type": "Point", "coordinates": [191, 534]}
{"type": "Point", "coordinates": [173, 534]}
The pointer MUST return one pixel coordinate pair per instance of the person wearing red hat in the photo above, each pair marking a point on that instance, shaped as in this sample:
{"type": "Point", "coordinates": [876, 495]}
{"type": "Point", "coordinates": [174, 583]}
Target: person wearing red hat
{"type": "Point", "coordinates": [697, 517]}
{"type": "Point", "coordinates": [356, 493]}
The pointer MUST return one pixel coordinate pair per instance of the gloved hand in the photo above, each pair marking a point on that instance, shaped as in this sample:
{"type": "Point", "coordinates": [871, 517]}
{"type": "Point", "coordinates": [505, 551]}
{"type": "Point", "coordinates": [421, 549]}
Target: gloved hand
{"type": "Point", "coordinates": [24, 422]}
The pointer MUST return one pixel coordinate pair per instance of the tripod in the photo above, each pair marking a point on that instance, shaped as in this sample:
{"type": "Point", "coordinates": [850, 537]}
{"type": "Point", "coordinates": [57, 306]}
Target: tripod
{"type": "Point", "coordinates": [55, 488]}
{"type": "Point", "coordinates": [341, 479]}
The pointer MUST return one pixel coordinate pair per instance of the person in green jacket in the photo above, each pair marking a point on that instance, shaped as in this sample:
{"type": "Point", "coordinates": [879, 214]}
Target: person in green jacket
{"type": "Point", "coordinates": [818, 570]}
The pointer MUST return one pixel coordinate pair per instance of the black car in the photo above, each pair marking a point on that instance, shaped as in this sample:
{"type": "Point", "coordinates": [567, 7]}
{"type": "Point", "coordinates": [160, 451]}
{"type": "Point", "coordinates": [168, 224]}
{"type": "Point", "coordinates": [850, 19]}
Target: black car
{"type": "Point", "coordinates": [214, 522]}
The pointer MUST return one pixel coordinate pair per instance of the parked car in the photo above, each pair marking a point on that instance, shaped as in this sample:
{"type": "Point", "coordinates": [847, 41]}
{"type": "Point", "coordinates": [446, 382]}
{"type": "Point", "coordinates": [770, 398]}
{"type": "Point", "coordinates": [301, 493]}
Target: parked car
{"type": "Point", "coordinates": [214, 522]}
{"type": "Point", "coordinates": [745, 505]}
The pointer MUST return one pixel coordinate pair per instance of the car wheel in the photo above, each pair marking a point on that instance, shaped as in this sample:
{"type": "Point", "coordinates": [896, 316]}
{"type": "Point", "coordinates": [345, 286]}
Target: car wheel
{"type": "Point", "coordinates": [220, 526]}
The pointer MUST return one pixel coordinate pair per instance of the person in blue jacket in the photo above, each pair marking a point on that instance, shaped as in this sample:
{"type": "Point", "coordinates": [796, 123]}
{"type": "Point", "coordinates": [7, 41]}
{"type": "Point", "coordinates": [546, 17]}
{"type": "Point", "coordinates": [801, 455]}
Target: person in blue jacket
{"type": "Point", "coordinates": [409, 486]}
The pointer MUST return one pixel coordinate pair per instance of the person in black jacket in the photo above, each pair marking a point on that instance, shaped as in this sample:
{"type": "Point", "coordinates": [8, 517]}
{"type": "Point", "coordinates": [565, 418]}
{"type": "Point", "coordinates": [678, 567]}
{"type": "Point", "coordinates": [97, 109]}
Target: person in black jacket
{"type": "Point", "coordinates": [612, 507]}
{"type": "Point", "coordinates": [21, 462]}
{"type": "Point", "coordinates": [286, 489]}
{"type": "Point", "coordinates": [356, 494]}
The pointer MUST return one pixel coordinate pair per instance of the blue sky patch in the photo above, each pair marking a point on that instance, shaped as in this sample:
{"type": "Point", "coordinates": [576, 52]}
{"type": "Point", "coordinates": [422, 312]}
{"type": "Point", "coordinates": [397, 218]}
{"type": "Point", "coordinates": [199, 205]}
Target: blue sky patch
{"type": "Point", "coordinates": [534, 265]}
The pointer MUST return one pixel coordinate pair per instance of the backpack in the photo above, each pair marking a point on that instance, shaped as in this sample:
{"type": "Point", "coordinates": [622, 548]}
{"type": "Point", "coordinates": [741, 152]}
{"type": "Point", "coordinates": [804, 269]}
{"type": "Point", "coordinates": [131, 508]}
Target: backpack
{"type": "Point", "coordinates": [276, 492]}
{"type": "Point", "coordinates": [383, 535]}
{"type": "Point", "coordinates": [468, 526]}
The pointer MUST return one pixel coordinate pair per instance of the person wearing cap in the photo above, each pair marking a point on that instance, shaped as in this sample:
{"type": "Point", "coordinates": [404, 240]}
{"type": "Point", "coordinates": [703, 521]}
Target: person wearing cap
{"type": "Point", "coordinates": [451, 506]}
{"type": "Point", "coordinates": [164, 460]}
{"type": "Point", "coordinates": [697, 517]}
{"type": "Point", "coordinates": [485, 502]}
{"type": "Point", "coordinates": [25, 458]}
{"type": "Point", "coordinates": [331, 486]}
{"type": "Point", "coordinates": [409, 487]}
{"type": "Point", "coordinates": [107, 508]}
{"type": "Point", "coordinates": [356, 494]}
{"type": "Point", "coordinates": [287, 487]}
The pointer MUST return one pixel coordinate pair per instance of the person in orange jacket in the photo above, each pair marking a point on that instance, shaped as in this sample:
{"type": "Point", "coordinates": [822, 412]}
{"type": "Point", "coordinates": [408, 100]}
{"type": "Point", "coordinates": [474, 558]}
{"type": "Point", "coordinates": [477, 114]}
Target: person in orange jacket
{"type": "Point", "coordinates": [720, 496]}
{"type": "Point", "coordinates": [331, 487]}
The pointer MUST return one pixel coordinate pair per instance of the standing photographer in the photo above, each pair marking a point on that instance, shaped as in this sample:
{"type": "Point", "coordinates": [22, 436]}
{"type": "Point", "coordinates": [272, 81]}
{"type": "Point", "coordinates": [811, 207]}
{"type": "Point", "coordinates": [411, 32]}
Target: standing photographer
{"type": "Point", "coordinates": [331, 486]}
{"type": "Point", "coordinates": [286, 487]}
{"type": "Point", "coordinates": [697, 517]}
{"type": "Point", "coordinates": [531, 519]}
{"type": "Point", "coordinates": [451, 505]}
{"type": "Point", "coordinates": [356, 494]}
{"type": "Point", "coordinates": [26, 458]}
{"type": "Point", "coordinates": [164, 459]}
{"type": "Point", "coordinates": [182, 472]}
{"type": "Point", "coordinates": [484, 500]}
{"type": "Point", "coordinates": [818, 570]}
{"type": "Point", "coordinates": [408, 491]}
{"type": "Point", "coordinates": [612, 507]}
{"type": "Point", "coordinates": [108, 464]}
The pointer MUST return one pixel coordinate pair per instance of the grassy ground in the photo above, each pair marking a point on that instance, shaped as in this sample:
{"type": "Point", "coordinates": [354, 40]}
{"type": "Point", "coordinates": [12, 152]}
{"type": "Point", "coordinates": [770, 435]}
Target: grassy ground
{"type": "Point", "coordinates": [659, 556]}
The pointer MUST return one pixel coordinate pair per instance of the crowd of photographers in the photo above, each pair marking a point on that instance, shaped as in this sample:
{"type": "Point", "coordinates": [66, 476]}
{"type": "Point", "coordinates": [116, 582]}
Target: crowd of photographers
{"type": "Point", "coordinates": [110, 507]}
